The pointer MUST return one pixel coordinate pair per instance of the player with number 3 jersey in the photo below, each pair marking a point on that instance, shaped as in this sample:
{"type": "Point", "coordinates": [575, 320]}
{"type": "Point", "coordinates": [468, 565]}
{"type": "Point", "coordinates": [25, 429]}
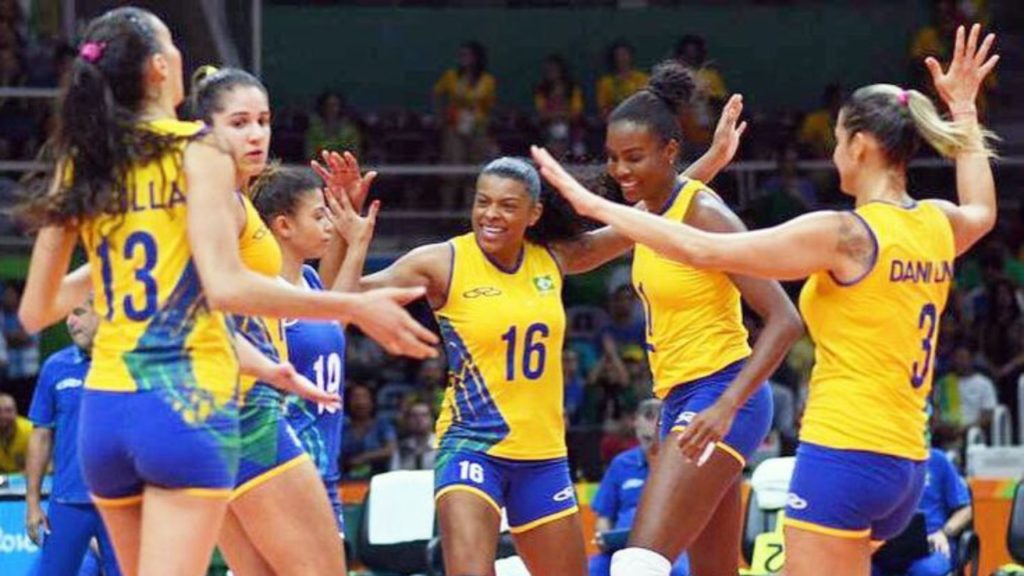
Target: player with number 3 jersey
{"type": "Point", "coordinates": [879, 276]}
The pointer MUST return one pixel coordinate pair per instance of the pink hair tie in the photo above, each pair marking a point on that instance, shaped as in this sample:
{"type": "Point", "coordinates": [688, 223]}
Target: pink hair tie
{"type": "Point", "coordinates": [92, 51]}
{"type": "Point", "coordinates": [904, 97]}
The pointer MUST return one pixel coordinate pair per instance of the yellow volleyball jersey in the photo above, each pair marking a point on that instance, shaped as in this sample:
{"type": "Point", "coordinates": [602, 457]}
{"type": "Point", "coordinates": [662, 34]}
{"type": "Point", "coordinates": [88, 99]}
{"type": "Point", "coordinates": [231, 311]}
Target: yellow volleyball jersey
{"type": "Point", "coordinates": [693, 317]}
{"type": "Point", "coordinates": [875, 338]}
{"type": "Point", "coordinates": [260, 253]}
{"type": "Point", "coordinates": [503, 332]}
{"type": "Point", "coordinates": [157, 331]}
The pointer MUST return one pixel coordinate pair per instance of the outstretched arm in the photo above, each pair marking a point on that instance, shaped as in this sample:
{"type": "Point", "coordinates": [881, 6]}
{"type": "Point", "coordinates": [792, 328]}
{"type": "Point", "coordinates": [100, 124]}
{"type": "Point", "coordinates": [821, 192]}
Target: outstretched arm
{"type": "Point", "coordinates": [725, 144]}
{"type": "Point", "coordinates": [342, 176]}
{"type": "Point", "coordinates": [229, 285]}
{"type": "Point", "coordinates": [835, 241]}
{"type": "Point", "coordinates": [280, 375]}
{"type": "Point", "coordinates": [597, 248]}
{"type": "Point", "coordinates": [958, 87]}
{"type": "Point", "coordinates": [357, 232]}
{"type": "Point", "coordinates": [782, 328]}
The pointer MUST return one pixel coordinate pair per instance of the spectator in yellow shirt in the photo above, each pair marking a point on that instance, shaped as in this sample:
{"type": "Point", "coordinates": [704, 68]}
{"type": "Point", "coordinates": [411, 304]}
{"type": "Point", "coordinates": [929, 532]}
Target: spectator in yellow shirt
{"type": "Point", "coordinates": [14, 434]}
{"type": "Point", "coordinates": [698, 121]}
{"type": "Point", "coordinates": [817, 132]}
{"type": "Point", "coordinates": [331, 128]}
{"type": "Point", "coordinates": [559, 103]}
{"type": "Point", "coordinates": [464, 97]}
{"type": "Point", "coordinates": [621, 81]}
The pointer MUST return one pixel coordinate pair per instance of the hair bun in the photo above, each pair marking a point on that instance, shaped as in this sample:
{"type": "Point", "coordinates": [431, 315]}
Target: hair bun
{"type": "Point", "coordinates": [673, 83]}
{"type": "Point", "coordinates": [202, 73]}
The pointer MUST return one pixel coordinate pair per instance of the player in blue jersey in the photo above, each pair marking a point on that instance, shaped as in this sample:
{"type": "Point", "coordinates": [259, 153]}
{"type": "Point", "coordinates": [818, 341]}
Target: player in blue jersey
{"type": "Point", "coordinates": [71, 521]}
{"type": "Point", "coordinates": [292, 204]}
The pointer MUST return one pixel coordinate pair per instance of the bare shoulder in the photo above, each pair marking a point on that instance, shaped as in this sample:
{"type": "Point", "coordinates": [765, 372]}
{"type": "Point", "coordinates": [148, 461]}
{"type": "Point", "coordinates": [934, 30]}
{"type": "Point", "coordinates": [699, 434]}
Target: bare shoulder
{"type": "Point", "coordinates": [709, 212]}
{"type": "Point", "coordinates": [948, 208]}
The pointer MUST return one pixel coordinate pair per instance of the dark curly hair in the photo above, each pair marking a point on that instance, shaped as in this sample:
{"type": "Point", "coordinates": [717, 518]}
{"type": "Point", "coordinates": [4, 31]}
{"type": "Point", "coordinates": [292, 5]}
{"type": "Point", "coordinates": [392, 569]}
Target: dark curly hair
{"type": "Point", "coordinates": [657, 106]}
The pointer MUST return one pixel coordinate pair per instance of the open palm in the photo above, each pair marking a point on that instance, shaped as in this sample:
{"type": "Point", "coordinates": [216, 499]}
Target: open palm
{"type": "Point", "coordinates": [958, 85]}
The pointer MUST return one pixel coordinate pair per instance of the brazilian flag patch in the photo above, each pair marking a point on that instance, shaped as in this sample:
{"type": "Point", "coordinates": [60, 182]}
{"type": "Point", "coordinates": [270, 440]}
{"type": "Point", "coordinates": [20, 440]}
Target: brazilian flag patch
{"type": "Point", "coordinates": [544, 283]}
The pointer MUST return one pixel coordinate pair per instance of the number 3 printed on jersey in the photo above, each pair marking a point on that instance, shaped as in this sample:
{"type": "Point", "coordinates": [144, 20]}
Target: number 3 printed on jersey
{"type": "Point", "coordinates": [927, 321]}
{"type": "Point", "coordinates": [137, 243]}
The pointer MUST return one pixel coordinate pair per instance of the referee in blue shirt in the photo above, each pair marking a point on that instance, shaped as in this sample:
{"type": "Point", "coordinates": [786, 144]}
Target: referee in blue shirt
{"type": "Point", "coordinates": [71, 521]}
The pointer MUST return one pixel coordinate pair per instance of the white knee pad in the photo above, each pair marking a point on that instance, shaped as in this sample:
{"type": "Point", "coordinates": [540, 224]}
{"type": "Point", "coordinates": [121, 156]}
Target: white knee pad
{"type": "Point", "coordinates": [639, 562]}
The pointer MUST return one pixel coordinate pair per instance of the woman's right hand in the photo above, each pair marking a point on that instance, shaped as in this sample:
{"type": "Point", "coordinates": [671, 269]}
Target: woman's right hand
{"type": "Point", "coordinates": [583, 201]}
{"type": "Point", "coordinates": [379, 314]}
{"type": "Point", "coordinates": [958, 86]}
{"type": "Point", "coordinates": [283, 376]}
{"type": "Point", "coordinates": [341, 175]}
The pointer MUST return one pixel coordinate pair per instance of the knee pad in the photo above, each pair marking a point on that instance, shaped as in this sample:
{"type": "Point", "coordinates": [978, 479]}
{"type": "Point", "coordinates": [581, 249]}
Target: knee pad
{"type": "Point", "coordinates": [639, 562]}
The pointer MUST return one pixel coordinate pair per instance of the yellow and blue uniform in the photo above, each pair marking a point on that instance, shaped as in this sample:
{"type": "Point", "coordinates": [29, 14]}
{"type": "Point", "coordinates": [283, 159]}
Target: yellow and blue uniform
{"type": "Point", "coordinates": [161, 404]}
{"type": "Point", "coordinates": [696, 342]}
{"type": "Point", "coordinates": [860, 466]}
{"type": "Point", "coordinates": [269, 445]}
{"type": "Point", "coordinates": [501, 434]}
{"type": "Point", "coordinates": [317, 350]}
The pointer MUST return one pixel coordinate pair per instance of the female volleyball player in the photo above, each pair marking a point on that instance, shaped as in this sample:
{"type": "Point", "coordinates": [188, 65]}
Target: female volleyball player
{"type": "Point", "coordinates": [292, 203]}
{"type": "Point", "coordinates": [702, 364]}
{"type": "Point", "coordinates": [878, 280]}
{"type": "Point", "coordinates": [148, 195]}
{"type": "Point", "coordinates": [496, 294]}
{"type": "Point", "coordinates": [262, 533]}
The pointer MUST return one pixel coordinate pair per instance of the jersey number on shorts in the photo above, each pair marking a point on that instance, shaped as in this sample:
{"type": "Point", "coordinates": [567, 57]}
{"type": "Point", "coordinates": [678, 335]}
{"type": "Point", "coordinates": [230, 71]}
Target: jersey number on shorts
{"type": "Point", "coordinates": [137, 242]}
{"type": "Point", "coordinates": [330, 380]}
{"type": "Point", "coordinates": [471, 471]}
{"type": "Point", "coordinates": [929, 317]}
{"type": "Point", "coordinates": [535, 353]}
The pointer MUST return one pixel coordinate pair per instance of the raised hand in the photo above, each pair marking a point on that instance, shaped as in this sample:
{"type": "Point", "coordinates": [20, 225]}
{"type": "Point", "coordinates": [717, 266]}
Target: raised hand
{"type": "Point", "coordinates": [958, 85]}
{"type": "Point", "coordinates": [728, 133]}
{"type": "Point", "coordinates": [284, 377]}
{"type": "Point", "coordinates": [341, 175]}
{"type": "Point", "coordinates": [583, 201]}
{"type": "Point", "coordinates": [381, 316]}
{"type": "Point", "coordinates": [347, 221]}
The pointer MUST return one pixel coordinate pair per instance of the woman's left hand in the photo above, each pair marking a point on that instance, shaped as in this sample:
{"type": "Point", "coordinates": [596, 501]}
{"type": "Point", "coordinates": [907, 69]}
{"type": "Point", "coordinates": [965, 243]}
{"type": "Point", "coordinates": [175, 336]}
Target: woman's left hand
{"type": "Point", "coordinates": [728, 133]}
{"type": "Point", "coordinates": [706, 428]}
{"type": "Point", "coordinates": [348, 223]}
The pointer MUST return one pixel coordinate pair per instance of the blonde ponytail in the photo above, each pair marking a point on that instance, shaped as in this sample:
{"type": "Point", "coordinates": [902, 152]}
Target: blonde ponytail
{"type": "Point", "coordinates": [948, 138]}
